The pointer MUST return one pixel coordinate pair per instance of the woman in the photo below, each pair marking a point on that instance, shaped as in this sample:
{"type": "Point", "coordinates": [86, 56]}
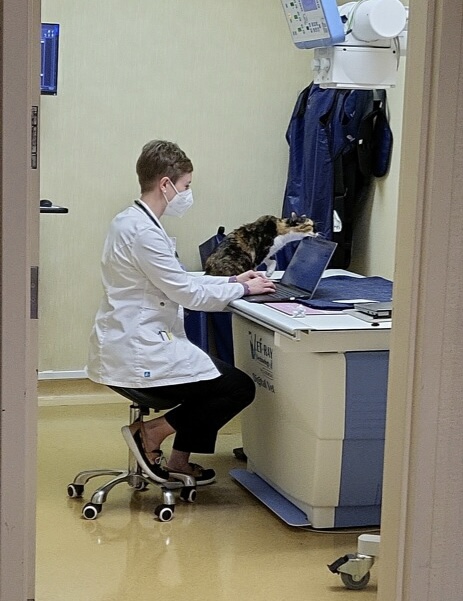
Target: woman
{"type": "Point", "coordinates": [138, 339]}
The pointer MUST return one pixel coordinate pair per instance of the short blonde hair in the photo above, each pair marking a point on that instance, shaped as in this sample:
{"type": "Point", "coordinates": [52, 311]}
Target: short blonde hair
{"type": "Point", "coordinates": [160, 158]}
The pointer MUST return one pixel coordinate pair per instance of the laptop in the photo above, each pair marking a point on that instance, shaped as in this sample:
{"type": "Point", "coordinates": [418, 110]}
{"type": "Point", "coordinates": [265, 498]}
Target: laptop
{"type": "Point", "coordinates": [379, 310]}
{"type": "Point", "coordinates": [303, 274]}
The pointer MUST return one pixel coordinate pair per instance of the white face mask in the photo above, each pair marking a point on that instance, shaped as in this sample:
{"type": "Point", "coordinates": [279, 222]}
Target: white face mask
{"type": "Point", "coordinates": [180, 203]}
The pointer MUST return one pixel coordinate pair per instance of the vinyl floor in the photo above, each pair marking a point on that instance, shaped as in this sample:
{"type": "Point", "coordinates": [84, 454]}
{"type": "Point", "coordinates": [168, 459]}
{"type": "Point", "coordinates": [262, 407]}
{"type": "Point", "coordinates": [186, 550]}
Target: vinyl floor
{"type": "Point", "coordinates": [224, 547]}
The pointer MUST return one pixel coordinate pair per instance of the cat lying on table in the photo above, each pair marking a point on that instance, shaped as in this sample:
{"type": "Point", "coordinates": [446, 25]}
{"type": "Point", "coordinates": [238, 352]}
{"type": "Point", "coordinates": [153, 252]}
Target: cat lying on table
{"type": "Point", "coordinates": [254, 243]}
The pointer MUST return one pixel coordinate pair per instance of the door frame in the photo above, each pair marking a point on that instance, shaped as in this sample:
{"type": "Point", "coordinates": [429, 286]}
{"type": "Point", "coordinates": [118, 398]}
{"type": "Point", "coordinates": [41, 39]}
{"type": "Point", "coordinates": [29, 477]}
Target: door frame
{"type": "Point", "coordinates": [421, 535]}
{"type": "Point", "coordinates": [19, 237]}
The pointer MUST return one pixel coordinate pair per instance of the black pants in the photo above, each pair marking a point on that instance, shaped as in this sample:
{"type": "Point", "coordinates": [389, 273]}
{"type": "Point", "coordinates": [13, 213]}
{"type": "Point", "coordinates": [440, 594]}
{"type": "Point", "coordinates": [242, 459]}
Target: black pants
{"type": "Point", "coordinates": [200, 409]}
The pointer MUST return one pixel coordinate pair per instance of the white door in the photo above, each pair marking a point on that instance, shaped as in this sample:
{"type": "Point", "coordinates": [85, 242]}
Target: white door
{"type": "Point", "coordinates": [19, 235]}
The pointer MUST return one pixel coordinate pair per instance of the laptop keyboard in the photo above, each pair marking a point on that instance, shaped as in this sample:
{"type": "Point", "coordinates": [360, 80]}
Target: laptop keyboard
{"type": "Point", "coordinates": [282, 292]}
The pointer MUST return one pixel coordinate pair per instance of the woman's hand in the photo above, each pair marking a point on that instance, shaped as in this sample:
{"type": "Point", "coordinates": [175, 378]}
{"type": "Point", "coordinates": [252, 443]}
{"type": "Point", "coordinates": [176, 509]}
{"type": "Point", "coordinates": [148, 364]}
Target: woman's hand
{"type": "Point", "coordinates": [256, 282]}
{"type": "Point", "coordinates": [250, 275]}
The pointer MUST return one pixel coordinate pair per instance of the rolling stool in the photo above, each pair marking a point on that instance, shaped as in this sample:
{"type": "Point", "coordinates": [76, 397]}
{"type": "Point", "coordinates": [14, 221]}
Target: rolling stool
{"type": "Point", "coordinates": [134, 475]}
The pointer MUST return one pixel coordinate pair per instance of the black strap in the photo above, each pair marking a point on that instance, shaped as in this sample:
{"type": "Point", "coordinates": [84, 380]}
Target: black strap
{"type": "Point", "coordinates": [145, 210]}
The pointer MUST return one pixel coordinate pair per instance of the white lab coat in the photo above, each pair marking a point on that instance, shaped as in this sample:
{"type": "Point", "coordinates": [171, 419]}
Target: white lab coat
{"type": "Point", "coordinates": [138, 339]}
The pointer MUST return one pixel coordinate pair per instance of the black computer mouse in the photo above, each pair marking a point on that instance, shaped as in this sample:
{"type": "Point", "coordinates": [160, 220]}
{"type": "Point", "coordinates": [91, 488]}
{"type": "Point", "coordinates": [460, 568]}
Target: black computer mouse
{"type": "Point", "coordinates": [46, 203]}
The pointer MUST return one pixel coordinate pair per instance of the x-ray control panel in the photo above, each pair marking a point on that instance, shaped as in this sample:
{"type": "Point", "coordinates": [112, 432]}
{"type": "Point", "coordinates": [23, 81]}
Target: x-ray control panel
{"type": "Point", "coordinates": [314, 23]}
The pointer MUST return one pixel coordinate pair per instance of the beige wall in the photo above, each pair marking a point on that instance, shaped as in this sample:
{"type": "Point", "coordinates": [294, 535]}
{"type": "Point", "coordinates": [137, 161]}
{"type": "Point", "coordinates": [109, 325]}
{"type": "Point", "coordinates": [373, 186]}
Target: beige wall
{"type": "Point", "coordinates": [375, 232]}
{"type": "Point", "coordinates": [221, 80]}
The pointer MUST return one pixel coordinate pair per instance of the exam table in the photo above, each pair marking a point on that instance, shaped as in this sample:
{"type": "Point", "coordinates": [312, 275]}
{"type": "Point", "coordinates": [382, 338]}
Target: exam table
{"type": "Point", "coordinates": [314, 435]}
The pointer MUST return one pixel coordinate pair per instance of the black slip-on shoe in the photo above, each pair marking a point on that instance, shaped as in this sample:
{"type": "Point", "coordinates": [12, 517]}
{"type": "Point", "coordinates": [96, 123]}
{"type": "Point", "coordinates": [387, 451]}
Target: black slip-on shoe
{"type": "Point", "coordinates": [201, 475]}
{"type": "Point", "coordinates": [155, 471]}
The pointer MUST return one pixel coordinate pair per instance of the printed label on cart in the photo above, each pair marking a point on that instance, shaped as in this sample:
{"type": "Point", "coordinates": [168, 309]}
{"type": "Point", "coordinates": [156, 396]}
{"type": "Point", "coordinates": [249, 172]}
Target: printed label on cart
{"type": "Point", "coordinates": [260, 351]}
{"type": "Point", "coordinates": [262, 357]}
{"type": "Point", "coordinates": [263, 383]}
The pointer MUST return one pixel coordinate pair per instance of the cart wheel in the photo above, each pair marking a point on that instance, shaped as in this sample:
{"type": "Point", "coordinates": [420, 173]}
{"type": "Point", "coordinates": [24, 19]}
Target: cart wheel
{"type": "Point", "coordinates": [164, 513]}
{"type": "Point", "coordinates": [355, 585]}
{"type": "Point", "coordinates": [188, 493]}
{"type": "Point", "coordinates": [90, 511]}
{"type": "Point", "coordinates": [75, 490]}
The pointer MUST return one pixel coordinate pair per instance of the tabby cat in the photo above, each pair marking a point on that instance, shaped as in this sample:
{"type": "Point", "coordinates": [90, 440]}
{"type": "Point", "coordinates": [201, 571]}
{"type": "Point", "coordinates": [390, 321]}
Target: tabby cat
{"type": "Point", "coordinates": [254, 243]}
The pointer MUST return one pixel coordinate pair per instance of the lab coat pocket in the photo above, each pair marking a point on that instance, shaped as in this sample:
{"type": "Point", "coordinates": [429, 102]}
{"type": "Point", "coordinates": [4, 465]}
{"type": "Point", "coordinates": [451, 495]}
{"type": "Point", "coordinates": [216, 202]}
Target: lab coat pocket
{"type": "Point", "coordinates": [166, 336]}
{"type": "Point", "coordinates": [162, 309]}
{"type": "Point", "coordinates": [153, 300]}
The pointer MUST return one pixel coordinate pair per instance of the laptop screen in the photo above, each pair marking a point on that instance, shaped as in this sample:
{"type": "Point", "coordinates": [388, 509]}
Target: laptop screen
{"type": "Point", "coordinates": [308, 263]}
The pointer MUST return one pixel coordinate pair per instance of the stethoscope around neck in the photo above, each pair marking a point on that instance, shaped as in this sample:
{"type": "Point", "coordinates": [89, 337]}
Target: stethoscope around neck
{"type": "Point", "coordinates": [145, 210]}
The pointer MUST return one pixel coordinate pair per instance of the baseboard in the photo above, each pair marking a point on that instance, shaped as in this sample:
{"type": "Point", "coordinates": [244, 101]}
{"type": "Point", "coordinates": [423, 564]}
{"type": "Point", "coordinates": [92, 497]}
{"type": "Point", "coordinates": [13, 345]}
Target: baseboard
{"type": "Point", "coordinates": [75, 391]}
{"type": "Point", "coordinates": [76, 374]}
{"type": "Point", "coordinates": [62, 401]}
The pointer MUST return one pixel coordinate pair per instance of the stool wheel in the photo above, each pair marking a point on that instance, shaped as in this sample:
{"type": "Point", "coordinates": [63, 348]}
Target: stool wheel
{"type": "Point", "coordinates": [164, 512]}
{"type": "Point", "coordinates": [90, 511]}
{"type": "Point", "coordinates": [188, 493]}
{"type": "Point", "coordinates": [75, 490]}
{"type": "Point", "coordinates": [141, 486]}
{"type": "Point", "coordinates": [134, 476]}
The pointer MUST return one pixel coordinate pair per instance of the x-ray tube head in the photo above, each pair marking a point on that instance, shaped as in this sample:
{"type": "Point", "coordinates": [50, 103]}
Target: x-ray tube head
{"type": "Point", "coordinates": [369, 56]}
{"type": "Point", "coordinates": [358, 47]}
{"type": "Point", "coordinates": [373, 20]}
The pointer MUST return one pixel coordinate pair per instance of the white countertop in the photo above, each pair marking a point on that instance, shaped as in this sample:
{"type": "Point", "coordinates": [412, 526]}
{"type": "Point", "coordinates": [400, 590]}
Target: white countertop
{"type": "Point", "coordinates": [292, 326]}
